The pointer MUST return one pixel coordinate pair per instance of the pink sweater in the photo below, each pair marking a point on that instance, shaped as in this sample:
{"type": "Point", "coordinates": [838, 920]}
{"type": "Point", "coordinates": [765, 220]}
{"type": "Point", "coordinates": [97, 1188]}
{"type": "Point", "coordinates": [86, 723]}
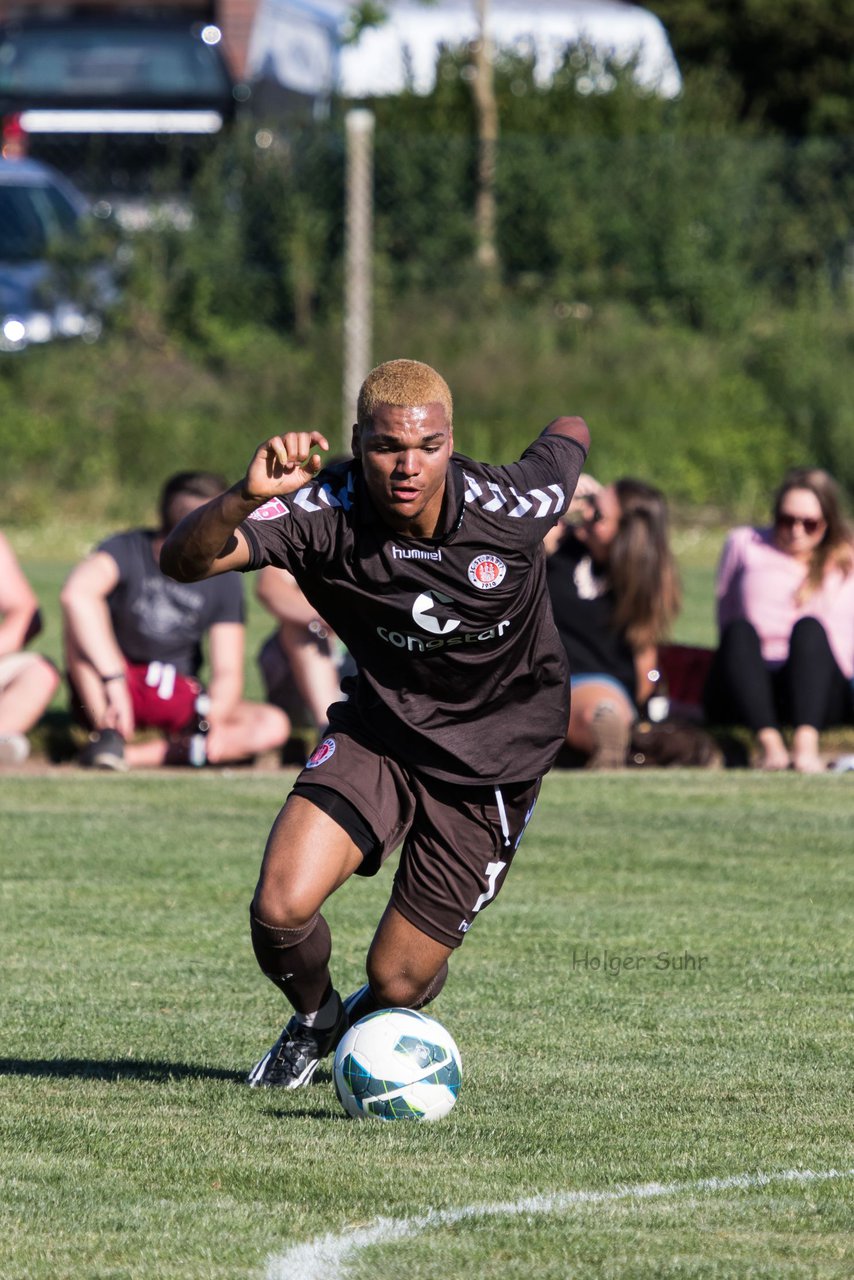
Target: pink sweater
{"type": "Point", "coordinates": [759, 583]}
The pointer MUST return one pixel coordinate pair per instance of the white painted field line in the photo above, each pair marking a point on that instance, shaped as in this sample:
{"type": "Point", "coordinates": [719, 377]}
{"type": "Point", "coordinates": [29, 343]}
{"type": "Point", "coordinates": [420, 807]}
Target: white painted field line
{"type": "Point", "coordinates": [326, 1257]}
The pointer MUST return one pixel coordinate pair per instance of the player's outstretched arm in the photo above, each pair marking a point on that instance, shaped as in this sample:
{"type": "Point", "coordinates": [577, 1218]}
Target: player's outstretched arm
{"type": "Point", "coordinates": [573, 428]}
{"type": "Point", "coordinates": [208, 541]}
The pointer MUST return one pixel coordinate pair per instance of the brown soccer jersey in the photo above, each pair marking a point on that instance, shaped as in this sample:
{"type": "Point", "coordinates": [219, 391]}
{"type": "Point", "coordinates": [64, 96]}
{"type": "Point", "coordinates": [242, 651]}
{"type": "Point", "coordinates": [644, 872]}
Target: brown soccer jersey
{"type": "Point", "coordinates": [461, 672]}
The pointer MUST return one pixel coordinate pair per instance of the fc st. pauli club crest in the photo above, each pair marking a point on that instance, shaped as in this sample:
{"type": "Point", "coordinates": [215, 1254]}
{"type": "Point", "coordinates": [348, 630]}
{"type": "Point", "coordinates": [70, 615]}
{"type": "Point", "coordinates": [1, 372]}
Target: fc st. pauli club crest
{"type": "Point", "coordinates": [321, 753]}
{"type": "Point", "coordinates": [487, 571]}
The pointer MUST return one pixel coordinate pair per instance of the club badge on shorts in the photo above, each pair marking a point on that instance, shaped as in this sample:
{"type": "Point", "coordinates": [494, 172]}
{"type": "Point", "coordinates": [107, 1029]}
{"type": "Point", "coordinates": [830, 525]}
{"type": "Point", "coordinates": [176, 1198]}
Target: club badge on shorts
{"type": "Point", "coordinates": [322, 752]}
{"type": "Point", "coordinates": [487, 571]}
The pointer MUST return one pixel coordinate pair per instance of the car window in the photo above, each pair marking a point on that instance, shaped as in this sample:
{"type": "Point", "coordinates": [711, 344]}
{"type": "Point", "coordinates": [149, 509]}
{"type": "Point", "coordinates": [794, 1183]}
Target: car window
{"type": "Point", "coordinates": [100, 62]}
{"type": "Point", "coordinates": [31, 218]}
{"type": "Point", "coordinates": [62, 215]}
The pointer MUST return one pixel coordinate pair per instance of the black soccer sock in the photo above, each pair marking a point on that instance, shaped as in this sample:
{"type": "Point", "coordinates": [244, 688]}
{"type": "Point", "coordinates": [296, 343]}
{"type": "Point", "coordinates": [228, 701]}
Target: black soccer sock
{"type": "Point", "coordinates": [295, 960]}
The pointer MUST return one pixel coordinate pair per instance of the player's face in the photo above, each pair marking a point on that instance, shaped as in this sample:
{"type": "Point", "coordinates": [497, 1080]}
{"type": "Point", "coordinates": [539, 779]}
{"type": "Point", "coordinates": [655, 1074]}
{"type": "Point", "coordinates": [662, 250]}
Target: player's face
{"type": "Point", "coordinates": [405, 454]}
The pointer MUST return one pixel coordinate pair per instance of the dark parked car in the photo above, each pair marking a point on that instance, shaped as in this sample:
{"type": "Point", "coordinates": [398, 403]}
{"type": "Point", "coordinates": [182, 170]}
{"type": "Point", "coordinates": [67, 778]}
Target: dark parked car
{"type": "Point", "coordinates": [120, 105]}
{"type": "Point", "coordinates": [53, 282]}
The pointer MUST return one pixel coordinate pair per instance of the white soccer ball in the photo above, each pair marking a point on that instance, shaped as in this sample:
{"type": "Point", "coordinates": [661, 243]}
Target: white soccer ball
{"type": "Point", "coordinates": [397, 1064]}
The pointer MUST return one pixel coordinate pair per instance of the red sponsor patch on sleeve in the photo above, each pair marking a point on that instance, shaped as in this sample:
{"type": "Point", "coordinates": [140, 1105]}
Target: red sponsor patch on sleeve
{"type": "Point", "coordinates": [271, 510]}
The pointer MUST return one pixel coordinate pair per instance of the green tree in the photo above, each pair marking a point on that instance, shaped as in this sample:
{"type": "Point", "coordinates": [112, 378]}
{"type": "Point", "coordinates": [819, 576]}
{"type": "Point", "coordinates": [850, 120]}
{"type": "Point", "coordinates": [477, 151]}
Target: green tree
{"type": "Point", "coordinates": [372, 13]}
{"type": "Point", "coordinates": [792, 60]}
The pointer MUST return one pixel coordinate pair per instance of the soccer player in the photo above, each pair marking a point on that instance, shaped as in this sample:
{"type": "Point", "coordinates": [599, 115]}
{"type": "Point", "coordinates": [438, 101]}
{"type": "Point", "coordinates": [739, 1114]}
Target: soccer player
{"type": "Point", "coordinates": [430, 567]}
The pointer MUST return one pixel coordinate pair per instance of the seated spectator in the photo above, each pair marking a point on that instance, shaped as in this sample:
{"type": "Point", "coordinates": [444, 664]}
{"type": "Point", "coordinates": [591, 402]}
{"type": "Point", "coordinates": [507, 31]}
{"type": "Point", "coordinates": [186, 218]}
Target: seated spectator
{"type": "Point", "coordinates": [615, 591]}
{"type": "Point", "coordinates": [300, 664]}
{"type": "Point", "coordinates": [133, 643]}
{"type": "Point", "coordinates": [785, 601]}
{"type": "Point", "coordinates": [27, 681]}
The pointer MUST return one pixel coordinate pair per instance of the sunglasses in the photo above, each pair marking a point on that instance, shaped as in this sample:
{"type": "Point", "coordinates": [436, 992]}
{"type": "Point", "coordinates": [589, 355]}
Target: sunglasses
{"type": "Point", "coordinates": [593, 514]}
{"type": "Point", "coordinates": [810, 524]}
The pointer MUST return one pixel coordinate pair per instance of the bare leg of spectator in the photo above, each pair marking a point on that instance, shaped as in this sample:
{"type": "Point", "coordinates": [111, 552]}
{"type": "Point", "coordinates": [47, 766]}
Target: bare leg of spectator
{"type": "Point", "coordinates": [817, 692]}
{"type": "Point", "coordinates": [250, 730]}
{"type": "Point", "coordinates": [313, 668]}
{"type": "Point", "coordinates": [27, 693]}
{"type": "Point", "coordinates": [775, 753]}
{"type": "Point", "coordinates": [600, 723]}
{"type": "Point", "coordinates": [741, 691]}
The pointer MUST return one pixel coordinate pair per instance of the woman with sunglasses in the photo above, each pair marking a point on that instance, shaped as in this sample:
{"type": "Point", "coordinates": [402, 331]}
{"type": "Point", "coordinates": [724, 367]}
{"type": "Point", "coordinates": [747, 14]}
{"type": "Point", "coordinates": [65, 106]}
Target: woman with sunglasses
{"type": "Point", "coordinates": [615, 591]}
{"type": "Point", "coordinates": [785, 601]}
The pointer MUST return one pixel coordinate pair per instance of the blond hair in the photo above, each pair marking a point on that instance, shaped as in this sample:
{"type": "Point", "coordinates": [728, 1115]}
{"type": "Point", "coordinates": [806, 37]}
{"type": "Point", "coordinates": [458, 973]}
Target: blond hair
{"type": "Point", "coordinates": [405, 384]}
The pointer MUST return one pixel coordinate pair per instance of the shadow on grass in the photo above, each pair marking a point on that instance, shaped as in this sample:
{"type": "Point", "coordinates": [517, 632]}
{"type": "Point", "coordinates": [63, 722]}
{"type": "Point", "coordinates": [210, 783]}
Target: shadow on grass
{"type": "Point", "coordinates": [113, 1069]}
{"type": "Point", "coordinates": [325, 1113]}
{"type": "Point", "coordinates": [116, 1069]}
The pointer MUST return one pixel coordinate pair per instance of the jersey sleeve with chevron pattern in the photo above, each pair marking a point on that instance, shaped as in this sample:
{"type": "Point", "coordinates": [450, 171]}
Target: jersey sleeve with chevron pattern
{"type": "Point", "coordinates": [526, 498]}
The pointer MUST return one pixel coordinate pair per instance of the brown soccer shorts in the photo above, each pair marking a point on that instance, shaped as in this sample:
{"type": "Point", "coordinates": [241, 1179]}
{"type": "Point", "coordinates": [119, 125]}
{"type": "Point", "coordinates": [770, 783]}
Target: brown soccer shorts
{"type": "Point", "coordinates": [458, 840]}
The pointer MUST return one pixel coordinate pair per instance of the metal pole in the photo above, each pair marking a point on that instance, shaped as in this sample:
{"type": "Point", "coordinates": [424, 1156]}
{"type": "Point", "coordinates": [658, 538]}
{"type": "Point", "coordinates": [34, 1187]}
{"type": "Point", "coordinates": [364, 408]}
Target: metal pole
{"type": "Point", "coordinates": [487, 128]}
{"type": "Point", "coordinates": [358, 316]}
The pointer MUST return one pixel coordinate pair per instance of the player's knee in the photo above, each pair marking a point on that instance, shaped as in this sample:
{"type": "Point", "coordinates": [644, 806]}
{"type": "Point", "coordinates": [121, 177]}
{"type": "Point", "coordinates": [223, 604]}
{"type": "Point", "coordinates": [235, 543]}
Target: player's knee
{"type": "Point", "coordinates": [281, 910]}
{"type": "Point", "coordinates": [393, 988]}
{"type": "Point", "coordinates": [276, 934]}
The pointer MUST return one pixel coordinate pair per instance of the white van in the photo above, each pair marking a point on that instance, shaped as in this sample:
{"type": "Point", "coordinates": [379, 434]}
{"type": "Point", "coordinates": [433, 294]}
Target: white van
{"type": "Point", "coordinates": [301, 48]}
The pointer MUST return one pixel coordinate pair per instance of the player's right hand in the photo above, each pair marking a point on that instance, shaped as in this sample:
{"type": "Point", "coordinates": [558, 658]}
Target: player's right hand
{"type": "Point", "coordinates": [284, 464]}
{"type": "Point", "coordinates": [119, 710]}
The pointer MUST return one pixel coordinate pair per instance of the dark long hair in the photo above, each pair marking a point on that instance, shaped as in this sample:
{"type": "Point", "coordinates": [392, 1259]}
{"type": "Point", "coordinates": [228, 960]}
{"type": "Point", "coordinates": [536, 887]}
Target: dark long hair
{"type": "Point", "coordinates": [836, 549]}
{"type": "Point", "coordinates": [641, 565]}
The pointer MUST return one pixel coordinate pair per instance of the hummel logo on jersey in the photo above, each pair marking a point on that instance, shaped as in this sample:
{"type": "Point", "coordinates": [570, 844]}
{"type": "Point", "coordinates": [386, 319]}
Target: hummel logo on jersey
{"type": "Point", "coordinates": [422, 613]}
{"type": "Point", "coordinates": [413, 553]}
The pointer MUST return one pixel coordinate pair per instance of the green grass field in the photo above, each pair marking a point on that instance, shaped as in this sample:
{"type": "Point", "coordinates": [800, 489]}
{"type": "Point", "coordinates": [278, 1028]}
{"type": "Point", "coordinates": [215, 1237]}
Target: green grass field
{"type": "Point", "coordinates": [131, 1008]}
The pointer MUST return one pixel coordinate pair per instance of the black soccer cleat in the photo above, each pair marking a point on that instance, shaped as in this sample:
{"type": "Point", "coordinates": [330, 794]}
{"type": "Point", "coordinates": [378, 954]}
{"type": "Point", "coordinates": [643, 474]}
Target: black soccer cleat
{"type": "Point", "coordinates": [297, 1054]}
{"type": "Point", "coordinates": [105, 750]}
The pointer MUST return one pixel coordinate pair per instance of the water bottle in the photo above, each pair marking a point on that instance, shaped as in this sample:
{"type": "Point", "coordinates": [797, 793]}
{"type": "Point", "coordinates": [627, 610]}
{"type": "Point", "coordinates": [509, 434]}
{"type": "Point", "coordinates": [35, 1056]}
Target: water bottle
{"type": "Point", "coordinates": [658, 703]}
{"type": "Point", "coordinates": [197, 753]}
